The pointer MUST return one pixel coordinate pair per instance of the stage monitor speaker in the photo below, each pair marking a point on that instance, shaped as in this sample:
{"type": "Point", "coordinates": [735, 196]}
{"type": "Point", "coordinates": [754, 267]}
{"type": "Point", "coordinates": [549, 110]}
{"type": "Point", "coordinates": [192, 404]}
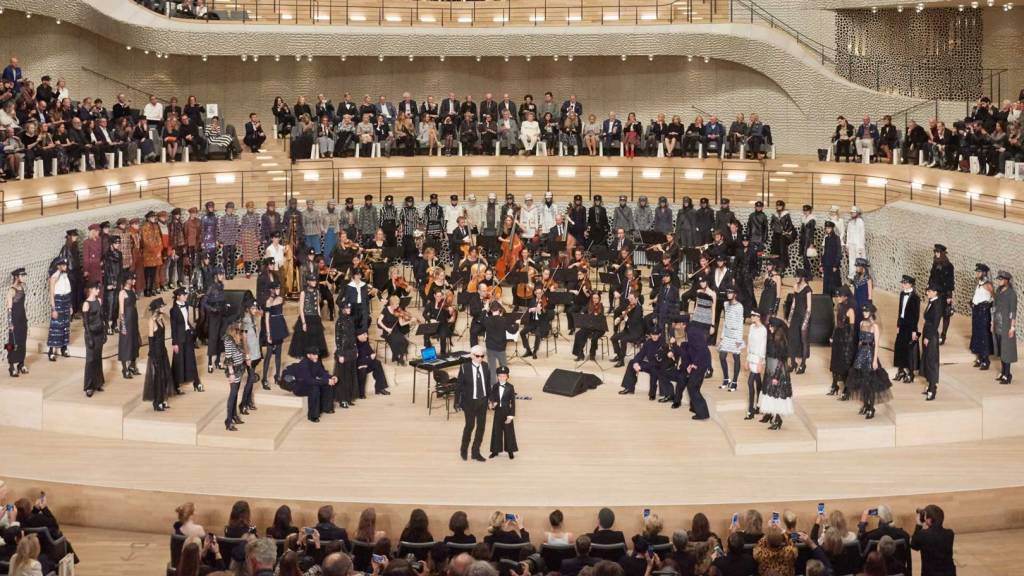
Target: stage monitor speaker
{"type": "Point", "coordinates": [823, 319]}
{"type": "Point", "coordinates": [569, 383]}
{"type": "Point", "coordinates": [236, 302]}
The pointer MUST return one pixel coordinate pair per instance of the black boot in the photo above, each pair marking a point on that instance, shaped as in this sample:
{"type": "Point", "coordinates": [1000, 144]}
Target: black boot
{"type": "Point", "coordinates": [13, 371]}
{"type": "Point", "coordinates": [835, 388]}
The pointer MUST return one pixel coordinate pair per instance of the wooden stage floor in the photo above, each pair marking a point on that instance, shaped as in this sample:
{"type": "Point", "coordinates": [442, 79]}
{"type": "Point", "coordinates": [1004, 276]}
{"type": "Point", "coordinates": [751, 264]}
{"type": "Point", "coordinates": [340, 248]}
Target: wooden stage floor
{"type": "Point", "coordinates": [963, 451]}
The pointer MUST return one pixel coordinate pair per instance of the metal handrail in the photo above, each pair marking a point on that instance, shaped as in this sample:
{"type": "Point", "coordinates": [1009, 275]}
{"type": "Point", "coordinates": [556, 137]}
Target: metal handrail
{"type": "Point", "coordinates": [179, 189]}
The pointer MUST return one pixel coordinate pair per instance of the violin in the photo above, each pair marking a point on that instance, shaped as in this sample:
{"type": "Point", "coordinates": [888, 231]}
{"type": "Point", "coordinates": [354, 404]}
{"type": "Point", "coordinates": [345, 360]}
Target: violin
{"type": "Point", "coordinates": [625, 314]}
{"type": "Point", "coordinates": [453, 312]}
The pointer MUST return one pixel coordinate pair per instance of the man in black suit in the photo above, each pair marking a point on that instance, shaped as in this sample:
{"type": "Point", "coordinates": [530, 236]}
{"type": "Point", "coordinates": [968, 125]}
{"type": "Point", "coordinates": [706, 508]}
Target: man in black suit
{"type": "Point", "coordinates": [254, 134]}
{"type": "Point", "coordinates": [573, 566]}
{"type": "Point", "coordinates": [328, 529]}
{"type": "Point", "coordinates": [347, 106]}
{"type": "Point", "coordinates": [557, 233]}
{"type": "Point", "coordinates": [934, 542]}
{"type": "Point", "coordinates": [183, 340]}
{"type": "Point", "coordinates": [489, 106]}
{"type": "Point", "coordinates": [315, 383]}
{"type": "Point", "coordinates": [604, 534]}
{"type": "Point", "coordinates": [191, 137]}
{"type": "Point", "coordinates": [472, 389]}
{"type": "Point", "coordinates": [450, 106]}
{"type": "Point", "coordinates": [885, 528]}
{"type": "Point", "coordinates": [572, 105]}
{"type": "Point", "coordinates": [103, 140]}
{"type": "Point", "coordinates": [408, 106]}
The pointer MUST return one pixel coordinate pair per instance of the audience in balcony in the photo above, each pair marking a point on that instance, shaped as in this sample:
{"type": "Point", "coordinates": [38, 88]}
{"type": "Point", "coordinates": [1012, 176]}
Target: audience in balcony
{"type": "Point", "coordinates": [842, 139]}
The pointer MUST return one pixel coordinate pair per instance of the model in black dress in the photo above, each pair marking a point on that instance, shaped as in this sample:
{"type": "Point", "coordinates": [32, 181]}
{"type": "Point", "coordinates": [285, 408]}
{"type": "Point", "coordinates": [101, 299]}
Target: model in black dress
{"type": "Point", "coordinates": [128, 339]}
{"type": "Point", "coordinates": [159, 382]}
{"type": "Point", "coordinates": [275, 330]}
{"type": "Point", "coordinates": [17, 323]}
{"type": "Point", "coordinates": [213, 305]}
{"type": "Point", "coordinates": [842, 342]}
{"type": "Point", "coordinates": [799, 323]}
{"type": "Point", "coordinates": [95, 337]}
{"type": "Point", "coordinates": [502, 398]}
{"type": "Point", "coordinates": [309, 329]}
{"type": "Point", "coordinates": [345, 355]}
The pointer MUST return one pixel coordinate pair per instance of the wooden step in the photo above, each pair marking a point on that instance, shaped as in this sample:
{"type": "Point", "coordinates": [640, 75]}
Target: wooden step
{"type": "Point", "coordinates": [1001, 404]}
{"type": "Point", "coordinates": [70, 411]}
{"type": "Point", "coordinates": [188, 414]}
{"type": "Point", "coordinates": [951, 417]}
{"type": "Point", "coordinates": [753, 437]}
{"type": "Point", "coordinates": [836, 425]}
{"type": "Point", "coordinates": [21, 398]}
{"type": "Point", "coordinates": [263, 429]}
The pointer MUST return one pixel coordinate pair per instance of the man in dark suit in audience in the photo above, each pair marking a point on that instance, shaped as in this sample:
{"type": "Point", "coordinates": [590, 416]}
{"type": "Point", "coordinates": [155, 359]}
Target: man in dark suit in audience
{"type": "Point", "coordinates": [571, 105]}
{"type": "Point", "coordinates": [508, 105]}
{"type": "Point", "coordinates": [934, 542]}
{"type": "Point", "coordinates": [104, 143]}
{"type": "Point", "coordinates": [573, 566]}
{"type": "Point", "coordinates": [387, 110]}
{"type": "Point", "coordinates": [191, 137]}
{"type": "Point", "coordinates": [254, 134]}
{"type": "Point", "coordinates": [347, 106]}
{"type": "Point", "coordinates": [328, 529]}
{"type": "Point", "coordinates": [469, 106]}
{"type": "Point", "coordinates": [885, 528]}
{"type": "Point", "coordinates": [408, 106]}
{"type": "Point", "coordinates": [604, 534]}
{"type": "Point", "coordinates": [472, 389]}
{"type": "Point", "coordinates": [489, 106]}
{"type": "Point", "coordinates": [611, 133]}
{"type": "Point", "coordinates": [450, 106]}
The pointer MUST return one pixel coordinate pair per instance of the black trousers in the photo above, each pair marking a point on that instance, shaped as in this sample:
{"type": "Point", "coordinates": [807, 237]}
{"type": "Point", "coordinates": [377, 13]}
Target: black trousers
{"type": "Point", "coordinates": [753, 391]}
{"type": "Point", "coordinates": [149, 273]}
{"type": "Point", "coordinates": [475, 412]}
{"type": "Point", "coordinates": [347, 388]}
{"type": "Point", "coordinates": [582, 335]}
{"type": "Point", "coordinates": [318, 399]}
{"type": "Point", "coordinates": [380, 381]}
{"type": "Point", "coordinates": [273, 350]}
{"type": "Point", "coordinates": [630, 377]}
{"type": "Point", "coordinates": [620, 342]}
{"type": "Point", "coordinates": [230, 261]}
{"type": "Point", "coordinates": [232, 405]}
{"type": "Point", "coordinates": [251, 376]}
{"type": "Point", "coordinates": [110, 305]}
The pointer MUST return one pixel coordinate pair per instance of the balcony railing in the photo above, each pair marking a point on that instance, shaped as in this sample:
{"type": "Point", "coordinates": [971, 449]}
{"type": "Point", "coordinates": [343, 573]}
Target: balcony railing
{"type": "Point", "coordinates": [742, 182]}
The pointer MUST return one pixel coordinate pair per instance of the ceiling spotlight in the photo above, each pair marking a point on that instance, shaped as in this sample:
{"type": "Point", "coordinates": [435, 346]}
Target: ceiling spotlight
{"type": "Point", "coordinates": [570, 57]}
{"type": "Point", "coordinates": [689, 58]}
{"type": "Point", "coordinates": [527, 57]}
{"type": "Point", "coordinates": [960, 7]}
{"type": "Point", "coordinates": [1, 9]}
{"type": "Point", "coordinates": [707, 59]}
{"type": "Point", "coordinates": [343, 57]}
{"type": "Point", "coordinates": [146, 52]}
{"type": "Point", "coordinates": [478, 58]}
{"type": "Point", "coordinates": [298, 57]}
{"type": "Point", "coordinates": [309, 58]}
{"type": "Point", "coordinates": [255, 57]}
{"type": "Point", "coordinates": [650, 57]}
{"type": "Point", "coordinates": [991, 2]}
{"type": "Point", "coordinates": [411, 57]}
{"type": "Point", "coordinates": [380, 58]}
{"type": "Point", "coordinates": [1008, 6]}
{"type": "Point", "coordinates": [974, 4]}
{"type": "Point", "coordinates": [623, 57]}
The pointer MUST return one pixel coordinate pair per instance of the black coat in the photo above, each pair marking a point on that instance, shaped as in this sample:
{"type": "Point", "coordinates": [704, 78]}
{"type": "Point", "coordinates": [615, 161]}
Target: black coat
{"type": "Point", "coordinates": [705, 225]}
{"type": "Point", "coordinates": [905, 350]}
{"type": "Point", "coordinates": [942, 275]}
{"type": "Point", "coordinates": [503, 436]}
{"type": "Point", "coordinates": [936, 547]}
{"type": "Point", "coordinates": [757, 227]}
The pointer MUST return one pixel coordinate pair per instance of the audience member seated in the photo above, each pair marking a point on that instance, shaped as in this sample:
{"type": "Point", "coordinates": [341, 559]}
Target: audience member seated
{"type": "Point", "coordinates": [753, 527]}
{"type": "Point", "coordinates": [557, 535]}
{"type": "Point", "coordinates": [282, 526]}
{"type": "Point", "coordinates": [366, 528]}
{"type": "Point", "coordinates": [329, 531]}
{"type": "Point", "coordinates": [652, 531]}
{"type": "Point", "coordinates": [635, 563]}
{"type": "Point", "coordinates": [842, 138]}
{"type": "Point", "coordinates": [459, 525]}
{"type": "Point", "coordinates": [185, 525]}
{"type": "Point", "coordinates": [38, 515]}
{"type": "Point", "coordinates": [417, 531]}
{"type": "Point", "coordinates": [867, 136]}
{"type": "Point", "coordinates": [506, 529]}
{"type": "Point", "coordinates": [239, 523]}
{"type": "Point", "coordinates": [573, 566]}
{"type": "Point", "coordinates": [200, 557]}
{"type": "Point", "coordinates": [255, 136]}
{"type": "Point", "coordinates": [25, 562]}
{"type": "Point", "coordinates": [775, 554]}
{"type": "Point", "coordinates": [603, 533]}
{"type": "Point", "coordinates": [735, 561]}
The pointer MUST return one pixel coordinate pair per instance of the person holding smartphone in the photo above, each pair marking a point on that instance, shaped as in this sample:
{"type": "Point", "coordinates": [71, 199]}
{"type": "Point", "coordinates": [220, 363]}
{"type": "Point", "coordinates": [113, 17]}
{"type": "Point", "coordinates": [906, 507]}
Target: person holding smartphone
{"type": "Point", "coordinates": [506, 528]}
{"type": "Point", "coordinates": [885, 528]}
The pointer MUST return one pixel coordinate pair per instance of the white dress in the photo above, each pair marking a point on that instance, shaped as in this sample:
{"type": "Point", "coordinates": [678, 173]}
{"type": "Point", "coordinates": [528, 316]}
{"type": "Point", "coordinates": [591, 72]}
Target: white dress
{"type": "Point", "coordinates": [732, 328]}
{"type": "Point", "coordinates": [757, 344]}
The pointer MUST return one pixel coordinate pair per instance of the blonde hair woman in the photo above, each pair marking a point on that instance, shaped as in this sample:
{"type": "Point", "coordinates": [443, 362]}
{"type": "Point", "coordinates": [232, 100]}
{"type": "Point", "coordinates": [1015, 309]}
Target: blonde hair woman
{"type": "Point", "coordinates": [185, 525]}
{"type": "Point", "coordinates": [591, 135]}
{"type": "Point", "coordinates": [25, 561]}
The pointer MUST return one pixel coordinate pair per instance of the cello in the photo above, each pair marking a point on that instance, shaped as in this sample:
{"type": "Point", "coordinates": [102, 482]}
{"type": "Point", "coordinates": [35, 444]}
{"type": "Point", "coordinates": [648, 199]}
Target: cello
{"type": "Point", "coordinates": [510, 250]}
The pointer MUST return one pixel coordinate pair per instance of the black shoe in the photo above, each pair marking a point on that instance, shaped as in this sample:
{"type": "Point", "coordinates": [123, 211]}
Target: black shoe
{"type": "Point", "coordinates": [158, 408]}
{"type": "Point", "coordinates": [619, 364]}
{"type": "Point", "coordinates": [317, 419]}
{"type": "Point", "coordinates": [13, 371]}
{"type": "Point", "coordinates": [126, 374]}
{"type": "Point", "coordinates": [88, 393]}
{"type": "Point", "coordinates": [251, 406]}
{"type": "Point", "coordinates": [464, 455]}
{"type": "Point", "coordinates": [209, 368]}
{"type": "Point", "coordinates": [696, 417]}
{"type": "Point", "coordinates": [863, 410]}
{"type": "Point", "coordinates": [766, 418]}
{"type": "Point", "coordinates": [624, 391]}
{"type": "Point", "coordinates": [344, 405]}
{"type": "Point", "coordinates": [52, 357]}
{"type": "Point", "coordinates": [479, 458]}
{"type": "Point", "coordinates": [676, 405]}
{"type": "Point", "coordinates": [243, 410]}
{"type": "Point", "coordinates": [331, 411]}
{"type": "Point", "coordinates": [511, 456]}
{"type": "Point", "coordinates": [238, 420]}
{"type": "Point", "coordinates": [749, 416]}
{"type": "Point", "coordinates": [22, 369]}
{"type": "Point", "coordinates": [384, 393]}
{"type": "Point", "coordinates": [64, 352]}
{"type": "Point", "coordinates": [1007, 380]}
{"type": "Point", "coordinates": [230, 427]}
{"type": "Point", "coordinates": [135, 370]}
{"type": "Point", "coordinates": [197, 386]}
{"type": "Point", "coordinates": [833, 391]}
{"type": "Point", "coordinates": [266, 385]}
{"type": "Point", "coordinates": [977, 363]}
{"type": "Point", "coordinates": [579, 358]}
{"type": "Point", "coordinates": [929, 395]}
{"type": "Point", "coordinates": [493, 455]}
{"type": "Point", "coordinates": [845, 396]}
{"type": "Point", "coordinates": [984, 366]}
{"type": "Point", "coordinates": [942, 340]}
{"type": "Point", "coordinates": [869, 414]}
{"type": "Point", "coordinates": [664, 399]}
{"type": "Point", "coordinates": [801, 369]}
{"type": "Point", "coordinates": [651, 398]}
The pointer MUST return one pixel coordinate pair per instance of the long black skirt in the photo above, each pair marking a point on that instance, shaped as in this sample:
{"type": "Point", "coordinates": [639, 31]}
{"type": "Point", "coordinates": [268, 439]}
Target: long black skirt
{"type": "Point", "coordinates": [304, 340]}
{"type": "Point", "coordinates": [870, 386]}
{"type": "Point", "coordinates": [503, 436]}
{"type": "Point", "coordinates": [981, 329]}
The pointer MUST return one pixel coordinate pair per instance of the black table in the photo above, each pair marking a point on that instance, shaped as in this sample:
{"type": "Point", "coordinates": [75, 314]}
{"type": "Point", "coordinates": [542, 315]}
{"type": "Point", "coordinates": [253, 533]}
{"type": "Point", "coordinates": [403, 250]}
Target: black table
{"type": "Point", "coordinates": [452, 359]}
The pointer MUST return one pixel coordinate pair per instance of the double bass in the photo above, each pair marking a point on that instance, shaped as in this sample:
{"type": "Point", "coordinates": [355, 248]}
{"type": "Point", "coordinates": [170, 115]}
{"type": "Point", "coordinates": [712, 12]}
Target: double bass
{"type": "Point", "coordinates": [510, 250]}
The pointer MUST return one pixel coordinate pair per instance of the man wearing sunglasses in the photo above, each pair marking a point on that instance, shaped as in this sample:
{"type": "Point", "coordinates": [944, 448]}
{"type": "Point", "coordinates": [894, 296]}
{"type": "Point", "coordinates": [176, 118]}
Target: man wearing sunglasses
{"type": "Point", "coordinates": [471, 393]}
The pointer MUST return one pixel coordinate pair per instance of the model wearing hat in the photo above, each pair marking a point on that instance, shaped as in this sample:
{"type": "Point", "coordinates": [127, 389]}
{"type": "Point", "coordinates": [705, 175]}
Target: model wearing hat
{"type": "Point", "coordinates": [863, 285]}
{"type": "Point", "coordinates": [868, 379]}
{"type": "Point", "coordinates": [434, 220]}
{"type": "Point", "coordinates": [650, 358]}
{"type": "Point", "coordinates": [275, 331]}
{"type": "Point", "coordinates": [502, 399]}
{"type": "Point", "coordinates": [799, 322]}
{"type": "Point", "coordinates": [95, 336]}
{"type": "Point", "coordinates": [128, 341]}
{"type": "Point", "coordinates": [981, 317]}
{"type": "Point", "coordinates": [842, 342]}
{"type": "Point", "coordinates": [930, 338]}
{"type": "Point", "coordinates": [771, 291]}
{"type": "Point", "coordinates": [1004, 324]}
{"type": "Point", "coordinates": [576, 216]}
{"type": "Point", "coordinates": [690, 361]}
{"type": "Point", "coordinates": [60, 294]}
{"type": "Point", "coordinates": [643, 217]}
{"type": "Point", "coordinates": [209, 234]}
{"type": "Point", "coordinates": [622, 217]}
{"type": "Point", "coordinates": [409, 222]}
{"type": "Point", "coordinates": [270, 222]}
{"type": "Point", "coordinates": [783, 232]}
{"type": "Point", "coordinates": [855, 238]}
{"type": "Point", "coordinates": [757, 348]}
{"type": "Point", "coordinates": [731, 342]}
{"type": "Point", "coordinates": [777, 393]}
{"type": "Point", "coordinates": [18, 331]}
{"type": "Point", "coordinates": [664, 218]}
{"type": "Point", "coordinates": [906, 352]}
{"type": "Point", "coordinates": [249, 239]}
{"type": "Point", "coordinates": [942, 276]}
{"type": "Point", "coordinates": [159, 381]}
{"type": "Point", "coordinates": [308, 331]}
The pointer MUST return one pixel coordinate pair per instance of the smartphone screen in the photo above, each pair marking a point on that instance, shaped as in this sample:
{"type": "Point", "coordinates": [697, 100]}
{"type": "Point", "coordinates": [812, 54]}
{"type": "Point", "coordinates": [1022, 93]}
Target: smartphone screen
{"type": "Point", "coordinates": [735, 518]}
{"type": "Point", "coordinates": [873, 512]}
{"type": "Point", "coordinates": [510, 517]}
{"type": "Point", "coordinates": [377, 558]}
{"type": "Point", "coordinates": [646, 513]}
{"type": "Point", "coordinates": [794, 537]}
{"type": "Point", "coordinates": [775, 518]}
{"type": "Point", "coordinates": [821, 508]}
{"type": "Point", "coordinates": [309, 531]}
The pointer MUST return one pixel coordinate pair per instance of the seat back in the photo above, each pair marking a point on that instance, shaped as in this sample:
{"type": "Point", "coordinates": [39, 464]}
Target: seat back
{"type": "Point", "coordinates": [553, 554]}
{"type": "Point", "coordinates": [54, 548]}
{"type": "Point", "coordinates": [850, 561]}
{"type": "Point", "coordinates": [177, 543]}
{"type": "Point", "coordinates": [501, 551]}
{"type": "Point", "coordinates": [362, 554]}
{"type": "Point", "coordinates": [227, 546]}
{"type": "Point", "coordinates": [662, 549]}
{"type": "Point", "coordinates": [610, 552]}
{"type": "Point", "coordinates": [417, 549]}
{"type": "Point", "coordinates": [454, 548]}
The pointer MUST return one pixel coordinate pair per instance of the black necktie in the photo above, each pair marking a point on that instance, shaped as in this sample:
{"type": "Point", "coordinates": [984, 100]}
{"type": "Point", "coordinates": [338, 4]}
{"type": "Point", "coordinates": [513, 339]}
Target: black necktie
{"type": "Point", "coordinates": [479, 383]}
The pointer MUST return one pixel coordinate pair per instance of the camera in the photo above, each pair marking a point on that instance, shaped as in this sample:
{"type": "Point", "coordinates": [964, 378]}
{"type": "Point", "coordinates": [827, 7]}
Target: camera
{"type": "Point", "coordinates": [416, 565]}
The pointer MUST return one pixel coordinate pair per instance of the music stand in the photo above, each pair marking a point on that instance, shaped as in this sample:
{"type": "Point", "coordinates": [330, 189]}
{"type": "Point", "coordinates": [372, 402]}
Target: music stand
{"type": "Point", "coordinates": [591, 322]}
{"type": "Point", "coordinates": [565, 276]}
{"type": "Point", "coordinates": [513, 278]}
{"type": "Point", "coordinates": [609, 279]}
{"type": "Point", "coordinates": [428, 329]}
{"type": "Point", "coordinates": [556, 247]}
{"type": "Point", "coordinates": [391, 253]}
{"type": "Point", "coordinates": [601, 253]}
{"type": "Point", "coordinates": [558, 298]}
{"type": "Point", "coordinates": [649, 237]}
{"type": "Point", "coordinates": [489, 243]}
{"type": "Point", "coordinates": [513, 318]}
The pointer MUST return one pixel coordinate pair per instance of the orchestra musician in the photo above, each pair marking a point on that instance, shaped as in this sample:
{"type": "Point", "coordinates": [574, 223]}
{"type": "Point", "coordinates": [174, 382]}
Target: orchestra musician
{"type": "Point", "coordinates": [580, 297]}
{"type": "Point", "coordinates": [393, 324]}
{"type": "Point", "coordinates": [670, 246]}
{"type": "Point", "coordinates": [557, 234]}
{"type": "Point", "coordinates": [629, 327]}
{"type": "Point", "coordinates": [472, 269]}
{"type": "Point", "coordinates": [323, 284]}
{"type": "Point", "coordinates": [577, 216]}
{"type": "Point", "coordinates": [620, 244]}
{"type": "Point", "coordinates": [537, 321]}
{"type": "Point", "coordinates": [441, 311]}
{"type": "Point", "coordinates": [666, 302]}
{"type": "Point", "coordinates": [344, 251]}
{"type": "Point", "coordinates": [478, 307]}
{"type": "Point", "coordinates": [422, 267]}
{"type": "Point", "coordinates": [396, 284]}
{"type": "Point", "coordinates": [374, 257]}
{"type": "Point", "coordinates": [459, 240]}
{"type": "Point", "coordinates": [593, 308]}
{"type": "Point", "coordinates": [524, 290]}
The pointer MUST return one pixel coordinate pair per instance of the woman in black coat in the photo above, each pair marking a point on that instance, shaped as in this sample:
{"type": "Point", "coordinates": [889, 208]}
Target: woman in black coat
{"type": "Point", "coordinates": [503, 402]}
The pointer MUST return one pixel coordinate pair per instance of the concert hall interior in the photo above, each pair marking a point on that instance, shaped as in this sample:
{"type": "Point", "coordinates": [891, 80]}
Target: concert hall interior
{"type": "Point", "coordinates": [289, 280]}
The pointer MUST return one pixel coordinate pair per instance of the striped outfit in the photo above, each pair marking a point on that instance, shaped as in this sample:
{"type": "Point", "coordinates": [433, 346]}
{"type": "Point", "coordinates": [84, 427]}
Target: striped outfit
{"type": "Point", "coordinates": [60, 328]}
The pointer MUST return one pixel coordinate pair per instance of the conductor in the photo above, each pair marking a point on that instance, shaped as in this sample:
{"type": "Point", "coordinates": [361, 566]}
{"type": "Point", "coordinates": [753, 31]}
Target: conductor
{"type": "Point", "coordinates": [472, 391]}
